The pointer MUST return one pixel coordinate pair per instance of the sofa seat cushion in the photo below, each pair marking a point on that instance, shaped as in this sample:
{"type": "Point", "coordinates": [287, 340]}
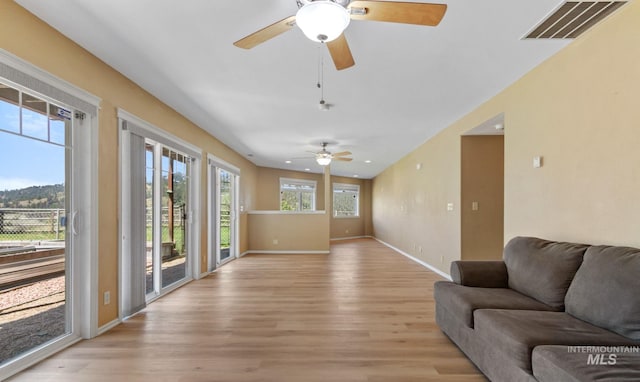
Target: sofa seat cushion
{"type": "Point", "coordinates": [462, 301]}
{"type": "Point", "coordinates": [514, 333]}
{"type": "Point", "coordinates": [606, 290]}
{"type": "Point", "coordinates": [542, 269]}
{"type": "Point", "coordinates": [595, 363]}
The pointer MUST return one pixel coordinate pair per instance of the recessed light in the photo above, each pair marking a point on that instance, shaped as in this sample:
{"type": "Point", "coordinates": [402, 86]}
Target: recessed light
{"type": "Point", "coordinates": [307, 169]}
{"type": "Point", "coordinates": [367, 161]}
{"type": "Point", "coordinates": [355, 176]}
{"type": "Point", "coordinates": [287, 162]}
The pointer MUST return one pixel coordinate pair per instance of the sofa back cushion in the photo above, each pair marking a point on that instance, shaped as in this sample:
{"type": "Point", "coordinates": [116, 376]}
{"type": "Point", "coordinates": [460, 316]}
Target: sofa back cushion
{"type": "Point", "coordinates": [542, 269]}
{"type": "Point", "coordinates": [606, 290]}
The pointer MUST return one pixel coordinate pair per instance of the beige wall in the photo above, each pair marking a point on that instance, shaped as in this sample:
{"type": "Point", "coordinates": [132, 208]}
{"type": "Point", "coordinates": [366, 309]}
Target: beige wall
{"type": "Point", "coordinates": [482, 182]}
{"type": "Point", "coordinates": [25, 36]}
{"type": "Point", "coordinates": [286, 232]}
{"type": "Point", "coordinates": [410, 204]}
{"type": "Point", "coordinates": [579, 111]}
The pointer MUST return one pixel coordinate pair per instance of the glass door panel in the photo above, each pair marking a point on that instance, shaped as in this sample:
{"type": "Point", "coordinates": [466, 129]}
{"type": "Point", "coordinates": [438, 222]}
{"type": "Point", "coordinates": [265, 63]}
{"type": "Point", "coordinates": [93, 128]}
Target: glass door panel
{"type": "Point", "coordinates": [167, 185]}
{"type": "Point", "coordinates": [225, 184]}
{"type": "Point", "coordinates": [174, 214]}
{"type": "Point", "coordinates": [149, 217]}
{"type": "Point", "coordinates": [35, 217]}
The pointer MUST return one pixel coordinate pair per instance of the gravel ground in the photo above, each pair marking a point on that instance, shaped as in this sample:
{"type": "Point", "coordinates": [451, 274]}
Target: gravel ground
{"type": "Point", "coordinates": [22, 295]}
{"type": "Point", "coordinates": [30, 316]}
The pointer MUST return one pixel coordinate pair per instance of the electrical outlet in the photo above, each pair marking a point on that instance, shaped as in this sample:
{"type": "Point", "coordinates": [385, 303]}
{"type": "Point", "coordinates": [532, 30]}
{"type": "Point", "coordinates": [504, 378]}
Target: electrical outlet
{"type": "Point", "coordinates": [275, 241]}
{"type": "Point", "coordinates": [346, 230]}
{"type": "Point", "coordinates": [449, 206]}
{"type": "Point", "coordinates": [107, 298]}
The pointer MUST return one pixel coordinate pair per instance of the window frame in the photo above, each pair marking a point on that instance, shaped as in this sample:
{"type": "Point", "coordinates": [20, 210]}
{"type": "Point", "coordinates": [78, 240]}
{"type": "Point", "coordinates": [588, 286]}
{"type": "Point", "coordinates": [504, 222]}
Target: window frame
{"type": "Point", "coordinates": [345, 188]}
{"type": "Point", "coordinates": [302, 183]}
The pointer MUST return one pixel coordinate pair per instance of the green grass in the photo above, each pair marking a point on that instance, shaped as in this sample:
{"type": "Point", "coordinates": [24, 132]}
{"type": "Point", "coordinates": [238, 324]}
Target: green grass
{"type": "Point", "coordinates": [224, 235]}
{"type": "Point", "coordinates": [30, 236]}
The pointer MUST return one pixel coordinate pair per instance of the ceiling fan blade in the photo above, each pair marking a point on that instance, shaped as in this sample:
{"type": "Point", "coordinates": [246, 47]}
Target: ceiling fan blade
{"type": "Point", "coordinates": [340, 53]}
{"type": "Point", "coordinates": [398, 12]}
{"type": "Point", "coordinates": [342, 153]}
{"type": "Point", "coordinates": [266, 33]}
{"type": "Point", "coordinates": [343, 159]}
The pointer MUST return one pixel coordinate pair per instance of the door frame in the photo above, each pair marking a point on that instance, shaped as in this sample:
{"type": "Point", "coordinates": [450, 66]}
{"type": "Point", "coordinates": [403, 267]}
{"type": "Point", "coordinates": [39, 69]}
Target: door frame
{"type": "Point", "coordinates": [83, 206]}
{"type": "Point", "coordinates": [213, 199]}
{"type": "Point", "coordinates": [159, 136]}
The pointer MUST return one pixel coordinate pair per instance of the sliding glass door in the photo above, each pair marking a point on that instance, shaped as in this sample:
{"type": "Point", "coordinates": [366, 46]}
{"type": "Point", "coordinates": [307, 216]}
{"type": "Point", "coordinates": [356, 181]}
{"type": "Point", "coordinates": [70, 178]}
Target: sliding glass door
{"type": "Point", "coordinates": [225, 206]}
{"type": "Point", "coordinates": [45, 218]}
{"type": "Point", "coordinates": [166, 182]}
{"type": "Point", "coordinates": [35, 222]}
{"type": "Point", "coordinates": [223, 223]}
{"type": "Point", "coordinates": [157, 252]}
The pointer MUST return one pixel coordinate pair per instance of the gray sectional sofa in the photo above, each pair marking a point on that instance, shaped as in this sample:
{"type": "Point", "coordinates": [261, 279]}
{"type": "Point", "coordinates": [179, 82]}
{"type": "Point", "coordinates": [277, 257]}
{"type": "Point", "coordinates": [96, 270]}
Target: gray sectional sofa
{"type": "Point", "coordinates": [549, 311]}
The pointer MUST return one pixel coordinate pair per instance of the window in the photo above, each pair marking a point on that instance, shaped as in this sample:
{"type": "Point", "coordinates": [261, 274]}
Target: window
{"type": "Point", "coordinates": [297, 195]}
{"type": "Point", "coordinates": [346, 199]}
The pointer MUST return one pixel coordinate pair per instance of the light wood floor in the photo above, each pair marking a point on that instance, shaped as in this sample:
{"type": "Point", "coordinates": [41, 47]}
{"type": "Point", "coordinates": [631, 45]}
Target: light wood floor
{"type": "Point", "coordinates": [362, 313]}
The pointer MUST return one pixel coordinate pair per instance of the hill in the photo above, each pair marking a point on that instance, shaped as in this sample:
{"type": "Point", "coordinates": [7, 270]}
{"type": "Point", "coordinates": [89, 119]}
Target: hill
{"type": "Point", "coordinates": [50, 196]}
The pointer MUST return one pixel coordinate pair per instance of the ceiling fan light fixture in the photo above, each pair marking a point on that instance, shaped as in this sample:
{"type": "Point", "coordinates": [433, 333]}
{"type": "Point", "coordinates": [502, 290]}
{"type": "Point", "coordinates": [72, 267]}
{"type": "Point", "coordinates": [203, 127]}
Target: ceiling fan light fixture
{"type": "Point", "coordinates": [323, 20]}
{"type": "Point", "coordinates": [323, 160]}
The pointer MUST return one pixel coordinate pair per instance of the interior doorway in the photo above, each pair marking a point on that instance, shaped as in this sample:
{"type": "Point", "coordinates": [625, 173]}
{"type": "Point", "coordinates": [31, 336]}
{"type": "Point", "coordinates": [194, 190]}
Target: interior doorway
{"type": "Point", "coordinates": [482, 191]}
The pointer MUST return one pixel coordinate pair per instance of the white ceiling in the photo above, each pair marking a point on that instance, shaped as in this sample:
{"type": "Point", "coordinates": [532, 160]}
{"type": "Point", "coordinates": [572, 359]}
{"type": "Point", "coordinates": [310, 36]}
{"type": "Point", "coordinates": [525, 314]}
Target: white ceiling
{"type": "Point", "coordinates": [409, 82]}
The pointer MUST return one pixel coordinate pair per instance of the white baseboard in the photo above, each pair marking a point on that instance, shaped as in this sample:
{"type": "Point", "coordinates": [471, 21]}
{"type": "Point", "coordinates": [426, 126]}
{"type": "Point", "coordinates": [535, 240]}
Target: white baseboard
{"type": "Point", "coordinates": [424, 264]}
{"type": "Point", "coordinates": [349, 238]}
{"type": "Point", "coordinates": [285, 252]}
{"type": "Point", "coordinates": [108, 326]}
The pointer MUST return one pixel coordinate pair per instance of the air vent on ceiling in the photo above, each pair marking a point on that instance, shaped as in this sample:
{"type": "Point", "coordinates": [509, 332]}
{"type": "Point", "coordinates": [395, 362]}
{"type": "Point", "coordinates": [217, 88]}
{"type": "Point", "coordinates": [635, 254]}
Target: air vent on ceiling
{"type": "Point", "coordinates": [573, 18]}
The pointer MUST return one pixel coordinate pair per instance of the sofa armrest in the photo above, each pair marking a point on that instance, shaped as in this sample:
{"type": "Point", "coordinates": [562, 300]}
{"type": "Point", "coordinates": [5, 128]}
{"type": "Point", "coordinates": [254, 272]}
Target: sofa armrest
{"type": "Point", "coordinates": [484, 274]}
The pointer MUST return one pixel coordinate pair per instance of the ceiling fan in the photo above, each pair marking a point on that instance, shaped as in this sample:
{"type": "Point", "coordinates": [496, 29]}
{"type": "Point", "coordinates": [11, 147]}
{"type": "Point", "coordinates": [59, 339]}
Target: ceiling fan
{"type": "Point", "coordinates": [325, 20]}
{"type": "Point", "coordinates": [324, 157]}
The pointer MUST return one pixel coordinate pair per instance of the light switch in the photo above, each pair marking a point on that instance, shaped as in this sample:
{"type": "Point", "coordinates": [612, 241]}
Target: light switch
{"type": "Point", "coordinates": [474, 206]}
{"type": "Point", "coordinates": [449, 206]}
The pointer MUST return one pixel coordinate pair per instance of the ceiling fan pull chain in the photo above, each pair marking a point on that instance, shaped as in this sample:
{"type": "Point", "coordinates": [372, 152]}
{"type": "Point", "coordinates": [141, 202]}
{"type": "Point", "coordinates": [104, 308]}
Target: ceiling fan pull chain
{"type": "Point", "coordinates": [320, 83]}
{"type": "Point", "coordinates": [321, 75]}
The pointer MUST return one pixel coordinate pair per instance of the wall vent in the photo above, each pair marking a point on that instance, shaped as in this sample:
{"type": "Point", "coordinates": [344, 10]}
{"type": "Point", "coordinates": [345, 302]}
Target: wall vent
{"type": "Point", "coordinates": [573, 18]}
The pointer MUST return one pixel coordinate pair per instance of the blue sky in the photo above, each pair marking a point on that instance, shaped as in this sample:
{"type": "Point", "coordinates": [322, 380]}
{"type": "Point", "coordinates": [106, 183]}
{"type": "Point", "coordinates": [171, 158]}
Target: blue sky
{"type": "Point", "coordinates": [27, 162]}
